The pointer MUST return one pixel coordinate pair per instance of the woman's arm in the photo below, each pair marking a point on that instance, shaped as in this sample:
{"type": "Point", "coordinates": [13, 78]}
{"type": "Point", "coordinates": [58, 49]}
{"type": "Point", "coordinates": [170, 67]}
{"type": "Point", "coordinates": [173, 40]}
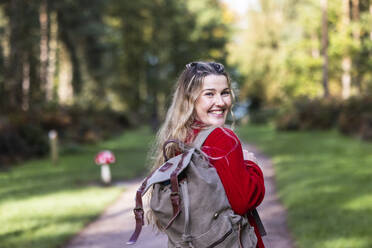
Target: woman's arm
{"type": "Point", "coordinates": [242, 179]}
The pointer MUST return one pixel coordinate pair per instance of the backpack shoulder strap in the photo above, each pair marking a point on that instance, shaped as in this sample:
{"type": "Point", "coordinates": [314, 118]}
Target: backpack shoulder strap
{"type": "Point", "coordinates": [202, 136]}
{"type": "Point", "coordinates": [169, 170]}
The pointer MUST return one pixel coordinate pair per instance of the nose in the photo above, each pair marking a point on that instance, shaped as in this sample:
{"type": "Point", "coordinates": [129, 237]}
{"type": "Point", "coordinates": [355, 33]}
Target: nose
{"type": "Point", "coordinates": [219, 101]}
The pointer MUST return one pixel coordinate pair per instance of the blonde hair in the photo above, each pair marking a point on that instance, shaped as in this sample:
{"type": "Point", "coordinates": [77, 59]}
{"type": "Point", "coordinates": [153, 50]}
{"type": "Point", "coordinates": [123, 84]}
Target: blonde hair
{"type": "Point", "coordinates": [180, 117]}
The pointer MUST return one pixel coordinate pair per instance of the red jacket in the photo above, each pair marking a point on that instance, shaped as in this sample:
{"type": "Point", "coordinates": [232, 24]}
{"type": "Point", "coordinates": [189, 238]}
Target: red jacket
{"type": "Point", "coordinates": [242, 179]}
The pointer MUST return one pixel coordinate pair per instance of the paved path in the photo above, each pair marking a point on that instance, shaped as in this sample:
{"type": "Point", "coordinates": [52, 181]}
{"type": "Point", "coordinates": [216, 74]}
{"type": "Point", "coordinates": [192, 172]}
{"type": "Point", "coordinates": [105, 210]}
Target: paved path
{"type": "Point", "coordinates": [114, 227]}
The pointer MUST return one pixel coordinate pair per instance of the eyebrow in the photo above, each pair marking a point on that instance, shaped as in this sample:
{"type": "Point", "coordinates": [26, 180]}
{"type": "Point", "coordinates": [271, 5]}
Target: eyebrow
{"type": "Point", "coordinates": [212, 89]}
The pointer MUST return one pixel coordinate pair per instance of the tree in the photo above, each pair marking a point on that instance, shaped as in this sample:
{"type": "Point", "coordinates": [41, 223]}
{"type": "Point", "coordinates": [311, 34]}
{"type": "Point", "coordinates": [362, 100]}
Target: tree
{"type": "Point", "coordinates": [157, 39]}
{"type": "Point", "coordinates": [346, 61]}
{"type": "Point", "coordinates": [370, 11]}
{"type": "Point", "coordinates": [325, 47]}
{"type": "Point", "coordinates": [123, 55]}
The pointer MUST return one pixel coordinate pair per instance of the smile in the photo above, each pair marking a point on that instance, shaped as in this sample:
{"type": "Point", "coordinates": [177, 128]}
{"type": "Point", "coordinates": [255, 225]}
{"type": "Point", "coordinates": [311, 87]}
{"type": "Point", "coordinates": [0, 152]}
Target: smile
{"type": "Point", "coordinates": [217, 112]}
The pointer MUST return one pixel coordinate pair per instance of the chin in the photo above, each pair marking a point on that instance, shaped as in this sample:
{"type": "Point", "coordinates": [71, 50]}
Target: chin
{"type": "Point", "coordinates": [217, 122]}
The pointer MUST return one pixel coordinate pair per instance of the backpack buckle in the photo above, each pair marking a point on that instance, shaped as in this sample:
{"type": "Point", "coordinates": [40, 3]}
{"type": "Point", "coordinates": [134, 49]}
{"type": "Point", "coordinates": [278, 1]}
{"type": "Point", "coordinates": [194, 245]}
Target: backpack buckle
{"type": "Point", "coordinates": [138, 214]}
{"type": "Point", "coordinates": [138, 210]}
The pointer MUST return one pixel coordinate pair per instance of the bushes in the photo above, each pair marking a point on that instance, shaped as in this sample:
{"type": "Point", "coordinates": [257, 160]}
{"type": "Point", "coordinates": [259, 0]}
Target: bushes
{"type": "Point", "coordinates": [24, 135]}
{"type": "Point", "coordinates": [84, 126]}
{"type": "Point", "coordinates": [306, 114]}
{"type": "Point", "coordinates": [263, 115]}
{"type": "Point", "coordinates": [356, 117]}
{"type": "Point", "coordinates": [351, 117]}
{"type": "Point", "coordinates": [21, 137]}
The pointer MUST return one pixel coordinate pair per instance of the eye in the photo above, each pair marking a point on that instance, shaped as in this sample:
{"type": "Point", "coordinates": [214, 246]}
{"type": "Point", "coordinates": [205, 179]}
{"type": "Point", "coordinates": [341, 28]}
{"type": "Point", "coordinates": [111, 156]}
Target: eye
{"type": "Point", "coordinates": [225, 93]}
{"type": "Point", "coordinates": [208, 94]}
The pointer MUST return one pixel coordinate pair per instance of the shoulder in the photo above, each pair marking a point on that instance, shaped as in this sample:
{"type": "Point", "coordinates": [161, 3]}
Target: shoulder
{"type": "Point", "coordinates": [222, 135]}
{"type": "Point", "coordinates": [223, 132]}
{"type": "Point", "coordinates": [221, 142]}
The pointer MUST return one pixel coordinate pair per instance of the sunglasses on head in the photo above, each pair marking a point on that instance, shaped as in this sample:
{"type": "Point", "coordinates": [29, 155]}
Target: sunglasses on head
{"type": "Point", "coordinates": [199, 66]}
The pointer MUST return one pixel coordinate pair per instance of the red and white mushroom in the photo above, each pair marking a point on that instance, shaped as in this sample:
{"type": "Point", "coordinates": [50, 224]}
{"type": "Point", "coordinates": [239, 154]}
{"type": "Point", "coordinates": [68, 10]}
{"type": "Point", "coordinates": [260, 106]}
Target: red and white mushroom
{"type": "Point", "coordinates": [104, 158]}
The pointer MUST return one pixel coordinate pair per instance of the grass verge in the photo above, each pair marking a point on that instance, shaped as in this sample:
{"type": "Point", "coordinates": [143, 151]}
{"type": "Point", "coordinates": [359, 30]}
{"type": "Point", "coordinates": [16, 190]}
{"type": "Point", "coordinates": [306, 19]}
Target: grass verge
{"type": "Point", "coordinates": [324, 180]}
{"type": "Point", "coordinates": [42, 205]}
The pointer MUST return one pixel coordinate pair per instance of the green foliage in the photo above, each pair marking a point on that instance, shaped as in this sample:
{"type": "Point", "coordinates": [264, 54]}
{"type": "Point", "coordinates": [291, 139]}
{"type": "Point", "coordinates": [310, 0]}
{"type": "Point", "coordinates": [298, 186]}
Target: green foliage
{"type": "Point", "coordinates": [323, 180]}
{"type": "Point", "coordinates": [279, 49]}
{"type": "Point", "coordinates": [154, 42]}
{"type": "Point", "coordinates": [73, 65]}
{"type": "Point", "coordinates": [43, 206]}
{"type": "Point", "coordinates": [25, 135]}
{"type": "Point", "coordinates": [306, 114]}
{"type": "Point", "coordinates": [356, 117]}
{"type": "Point", "coordinates": [122, 55]}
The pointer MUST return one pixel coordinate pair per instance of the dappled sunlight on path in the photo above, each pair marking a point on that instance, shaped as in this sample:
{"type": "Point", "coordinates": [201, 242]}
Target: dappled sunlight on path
{"type": "Point", "coordinates": [114, 227]}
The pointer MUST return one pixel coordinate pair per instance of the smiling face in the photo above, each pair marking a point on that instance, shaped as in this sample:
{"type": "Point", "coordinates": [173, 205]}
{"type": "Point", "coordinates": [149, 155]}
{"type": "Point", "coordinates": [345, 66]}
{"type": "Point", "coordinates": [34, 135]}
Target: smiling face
{"type": "Point", "coordinates": [214, 101]}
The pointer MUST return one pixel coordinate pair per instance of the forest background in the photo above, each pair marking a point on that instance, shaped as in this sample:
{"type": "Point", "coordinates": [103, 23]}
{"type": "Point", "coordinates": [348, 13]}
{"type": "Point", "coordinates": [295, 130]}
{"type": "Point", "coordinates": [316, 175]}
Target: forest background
{"type": "Point", "coordinates": [90, 69]}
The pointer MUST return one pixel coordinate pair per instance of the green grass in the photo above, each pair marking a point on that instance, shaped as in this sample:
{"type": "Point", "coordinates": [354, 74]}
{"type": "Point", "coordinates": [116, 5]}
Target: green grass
{"type": "Point", "coordinates": [42, 205]}
{"type": "Point", "coordinates": [325, 181]}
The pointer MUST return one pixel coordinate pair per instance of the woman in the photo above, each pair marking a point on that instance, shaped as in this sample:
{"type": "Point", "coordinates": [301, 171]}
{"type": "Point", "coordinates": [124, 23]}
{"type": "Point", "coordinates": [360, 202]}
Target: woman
{"type": "Point", "coordinates": [202, 99]}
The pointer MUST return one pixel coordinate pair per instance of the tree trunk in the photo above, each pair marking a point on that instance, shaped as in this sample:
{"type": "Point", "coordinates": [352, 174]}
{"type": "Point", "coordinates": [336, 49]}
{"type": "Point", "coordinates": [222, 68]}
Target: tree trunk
{"type": "Point", "coordinates": [53, 45]}
{"type": "Point", "coordinates": [356, 19]}
{"type": "Point", "coordinates": [370, 12]}
{"type": "Point", "coordinates": [31, 49]}
{"type": "Point", "coordinates": [72, 48]}
{"type": "Point", "coordinates": [26, 84]}
{"type": "Point", "coordinates": [346, 77]}
{"type": "Point", "coordinates": [65, 90]}
{"type": "Point", "coordinates": [356, 36]}
{"type": "Point", "coordinates": [14, 70]}
{"type": "Point", "coordinates": [76, 71]}
{"type": "Point", "coordinates": [44, 40]}
{"type": "Point", "coordinates": [4, 61]}
{"type": "Point", "coordinates": [325, 47]}
{"type": "Point", "coordinates": [346, 61]}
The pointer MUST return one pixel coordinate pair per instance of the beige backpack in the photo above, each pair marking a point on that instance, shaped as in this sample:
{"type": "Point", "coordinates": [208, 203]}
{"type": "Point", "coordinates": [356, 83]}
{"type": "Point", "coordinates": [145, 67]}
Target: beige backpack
{"type": "Point", "coordinates": [190, 203]}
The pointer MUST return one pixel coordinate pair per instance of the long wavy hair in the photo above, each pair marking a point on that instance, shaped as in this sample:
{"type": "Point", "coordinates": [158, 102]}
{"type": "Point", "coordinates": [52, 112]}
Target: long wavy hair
{"type": "Point", "coordinates": [181, 117]}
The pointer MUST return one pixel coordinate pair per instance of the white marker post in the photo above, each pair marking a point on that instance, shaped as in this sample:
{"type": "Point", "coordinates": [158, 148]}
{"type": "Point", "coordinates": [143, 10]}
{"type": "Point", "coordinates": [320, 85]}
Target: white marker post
{"type": "Point", "coordinates": [53, 140]}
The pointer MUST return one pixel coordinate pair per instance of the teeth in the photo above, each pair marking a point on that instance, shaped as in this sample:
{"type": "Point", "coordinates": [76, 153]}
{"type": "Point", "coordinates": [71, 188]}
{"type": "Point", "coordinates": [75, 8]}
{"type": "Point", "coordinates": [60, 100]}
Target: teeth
{"type": "Point", "coordinates": [217, 111]}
